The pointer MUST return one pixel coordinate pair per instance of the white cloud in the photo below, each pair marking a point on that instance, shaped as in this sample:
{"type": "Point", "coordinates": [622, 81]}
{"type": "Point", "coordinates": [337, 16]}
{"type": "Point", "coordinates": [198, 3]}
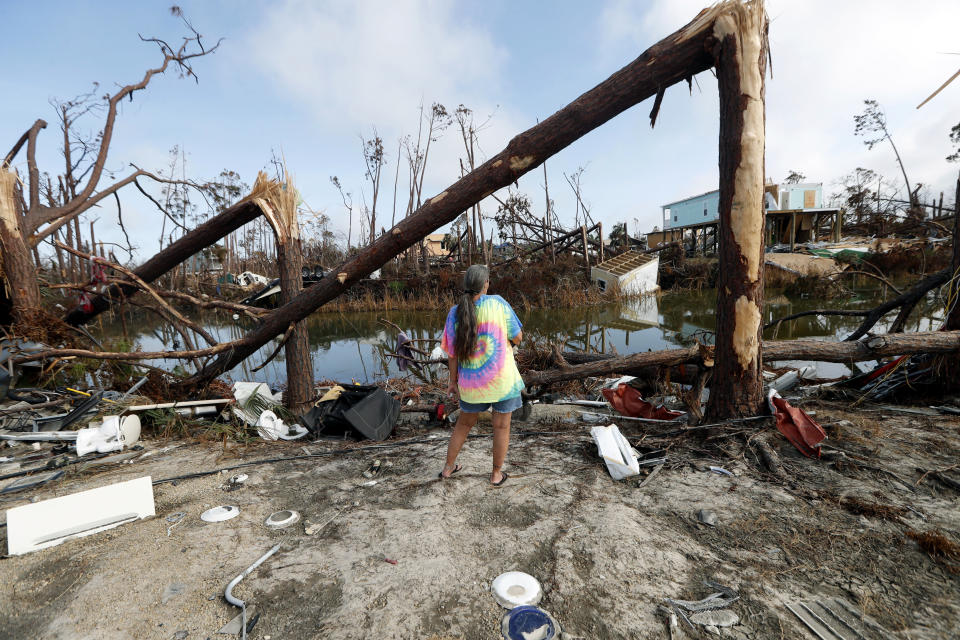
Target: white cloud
{"type": "Point", "coordinates": [373, 62]}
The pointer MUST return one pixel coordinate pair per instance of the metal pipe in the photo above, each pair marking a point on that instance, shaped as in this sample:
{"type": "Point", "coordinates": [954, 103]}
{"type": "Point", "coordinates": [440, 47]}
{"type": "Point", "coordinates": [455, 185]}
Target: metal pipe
{"type": "Point", "coordinates": [237, 602]}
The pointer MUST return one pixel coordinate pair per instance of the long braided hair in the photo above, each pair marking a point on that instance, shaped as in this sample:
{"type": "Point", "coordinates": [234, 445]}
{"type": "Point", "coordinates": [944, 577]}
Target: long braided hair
{"type": "Point", "coordinates": [466, 338]}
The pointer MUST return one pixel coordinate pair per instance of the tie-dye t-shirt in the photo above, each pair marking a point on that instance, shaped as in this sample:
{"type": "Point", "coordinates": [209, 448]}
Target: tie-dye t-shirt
{"type": "Point", "coordinates": [490, 374]}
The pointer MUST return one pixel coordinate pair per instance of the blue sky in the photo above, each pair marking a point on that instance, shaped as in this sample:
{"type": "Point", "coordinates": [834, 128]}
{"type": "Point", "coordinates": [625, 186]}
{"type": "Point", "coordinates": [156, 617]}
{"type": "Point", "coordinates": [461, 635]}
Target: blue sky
{"type": "Point", "coordinates": [309, 78]}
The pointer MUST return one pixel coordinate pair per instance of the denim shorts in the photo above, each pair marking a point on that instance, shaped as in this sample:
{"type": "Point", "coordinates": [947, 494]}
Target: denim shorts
{"type": "Point", "coordinates": [507, 405]}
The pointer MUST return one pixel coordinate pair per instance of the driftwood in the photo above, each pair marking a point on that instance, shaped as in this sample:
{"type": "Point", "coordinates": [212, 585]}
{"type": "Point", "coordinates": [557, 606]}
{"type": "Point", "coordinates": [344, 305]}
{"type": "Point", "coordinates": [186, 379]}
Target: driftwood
{"type": "Point", "coordinates": [674, 59]}
{"type": "Point", "coordinates": [816, 350]}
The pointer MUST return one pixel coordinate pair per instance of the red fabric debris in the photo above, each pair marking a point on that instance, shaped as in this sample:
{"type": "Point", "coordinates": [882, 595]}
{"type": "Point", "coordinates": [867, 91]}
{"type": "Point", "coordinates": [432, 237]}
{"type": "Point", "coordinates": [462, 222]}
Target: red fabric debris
{"type": "Point", "coordinates": [98, 273]}
{"type": "Point", "coordinates": [86, 303]}
{"type": "Point", "coordinates": [628, 401]}
{"type": "Point", "coordinates": [801, 430]}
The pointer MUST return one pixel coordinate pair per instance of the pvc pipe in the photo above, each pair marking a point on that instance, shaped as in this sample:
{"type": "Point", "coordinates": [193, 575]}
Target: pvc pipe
{"type": "Point", "coordinates": [237, 602]}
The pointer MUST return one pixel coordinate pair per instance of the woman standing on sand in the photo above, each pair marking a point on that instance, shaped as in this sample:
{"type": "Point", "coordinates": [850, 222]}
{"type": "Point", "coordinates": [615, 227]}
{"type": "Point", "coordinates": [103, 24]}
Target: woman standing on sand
{"type": "Point", "coordinates": [478, 338]}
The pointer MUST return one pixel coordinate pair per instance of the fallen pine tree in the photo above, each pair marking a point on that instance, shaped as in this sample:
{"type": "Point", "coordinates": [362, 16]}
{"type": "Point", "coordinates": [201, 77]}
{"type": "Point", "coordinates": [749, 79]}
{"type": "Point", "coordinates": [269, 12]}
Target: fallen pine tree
{"type": "Point", "coordinates": [882, 346]}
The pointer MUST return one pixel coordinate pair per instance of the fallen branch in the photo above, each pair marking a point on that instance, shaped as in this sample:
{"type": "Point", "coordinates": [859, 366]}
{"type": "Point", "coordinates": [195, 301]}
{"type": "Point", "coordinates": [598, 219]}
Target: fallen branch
{"type": "Point", "coordinates": [283, 341]}
{"type": "Point", "coordinates": [884, 346]}
{"type": "Point", "coordinates": [907, 299]}
{"type": "Point", "coordinates": [874, 276]}
{"type": "Point", "coordinates": [176, 316]}
{"type": "Point", "coordinates": [251, 312]}
{"type": "Point", "coordinates": [814, 312]}
{"type": "Point", "coordinates": [203, 236]}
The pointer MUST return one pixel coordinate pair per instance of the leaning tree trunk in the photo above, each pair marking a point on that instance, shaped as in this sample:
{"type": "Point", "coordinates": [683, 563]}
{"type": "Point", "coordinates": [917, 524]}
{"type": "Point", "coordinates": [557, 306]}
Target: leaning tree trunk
{"type": "Point", "coordinates": [16, 266]}
{"type": "Point", "coordinates": [674, 59]}
{"type": "Point", "coordinates": [741, 64]}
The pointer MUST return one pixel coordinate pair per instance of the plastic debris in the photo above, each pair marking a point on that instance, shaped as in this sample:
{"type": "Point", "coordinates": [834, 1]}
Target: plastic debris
{"type": "Point", "coordinates": [791, 378]}
{"type": "Point", "coordinates": [113, 434]}
{"type": "Point", "coordinates": [529, 623]}
{"type": "Point", "coordinates": [715, 618]}
{"type": "Point", "coordinates": [232, 628]}
{"type": "Point", "coordinates": [282, 519]}
{"type": "Point", "coordinates": [723, 598]}
{"type": "Point", "coordinates": [619, 456]}
{"type": "Point", "coordinates": [515, 588]}
{"type": "Point", "coordinates": [707, 517]}
{"type": "Point", "coordinates": [271, 427]}
{"type": "Point", "coordinates": [800, 429]}
{"type": "Point", "coordinates": [250, 397]}
{"type": "Point", "coordinates": [174, 519]}
{"type": "Point", "coordinates": [373, 470]}
{"type": "Point", "coordinates": [219, 514]}
{"type": "Point", "coordinates": [237, 602]}
{"type": "Point", "coordinates": [628, 401]}
{"type": "Point", "coordinates": [721, 471]}
{"type": "Point", "coordinates": [49, 522]}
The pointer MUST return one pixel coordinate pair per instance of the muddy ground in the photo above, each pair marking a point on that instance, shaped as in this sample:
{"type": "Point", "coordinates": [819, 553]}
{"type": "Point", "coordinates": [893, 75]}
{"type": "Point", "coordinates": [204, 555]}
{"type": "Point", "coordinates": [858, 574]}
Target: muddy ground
{"type": "Point", "coordinates": [606, 552]}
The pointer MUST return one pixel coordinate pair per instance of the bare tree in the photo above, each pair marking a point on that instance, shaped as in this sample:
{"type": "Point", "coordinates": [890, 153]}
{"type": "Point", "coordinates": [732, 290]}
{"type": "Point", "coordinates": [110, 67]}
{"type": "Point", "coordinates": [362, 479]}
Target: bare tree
{"type": "Point", "coordinates": [25, 220]}
{"type": "Point", "coordinates": [374, 159]}
{"type": "Point", "coordinates": [417, 154]}
{"type": "Point", "coordinates": [574, 180]}
{"type": "Point", "coordinates": [348, 205]}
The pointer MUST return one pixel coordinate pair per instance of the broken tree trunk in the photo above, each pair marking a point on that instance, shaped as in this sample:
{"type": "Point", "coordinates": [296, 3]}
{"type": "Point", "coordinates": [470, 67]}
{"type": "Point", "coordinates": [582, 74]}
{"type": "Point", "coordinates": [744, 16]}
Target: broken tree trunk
{"type": "Point", "coordinates": [279, 205]}
{"type": "Point", "coordinates": [741, 66]}
{"type": "Point", "coordinates": [673, 59]}
{"type": "Point", "coordinates": [16, 266]}
{"type": "Point", "coordinates": [203, 236]}
{"type": "Point", "coordinates": [773, 351]}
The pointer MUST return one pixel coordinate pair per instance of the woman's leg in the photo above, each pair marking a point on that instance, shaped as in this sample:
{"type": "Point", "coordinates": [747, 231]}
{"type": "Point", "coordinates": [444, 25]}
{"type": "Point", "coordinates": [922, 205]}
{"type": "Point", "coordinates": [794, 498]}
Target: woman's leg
{"type": "Point", "coordinates": [464, 423]}
{"type": "Point", "coordinates": [501, 440]}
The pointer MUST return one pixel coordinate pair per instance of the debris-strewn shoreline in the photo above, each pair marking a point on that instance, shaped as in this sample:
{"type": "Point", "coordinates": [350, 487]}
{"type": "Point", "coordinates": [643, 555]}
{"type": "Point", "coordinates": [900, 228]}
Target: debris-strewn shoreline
{"type": "Point", "coordinates": [607, 553]}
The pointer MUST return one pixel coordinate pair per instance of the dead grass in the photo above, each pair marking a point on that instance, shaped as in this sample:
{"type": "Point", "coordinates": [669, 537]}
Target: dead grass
{"type": "Point", "coordinates": [942, 549]}
{"type": "Point", "coordinates": [867, 508]}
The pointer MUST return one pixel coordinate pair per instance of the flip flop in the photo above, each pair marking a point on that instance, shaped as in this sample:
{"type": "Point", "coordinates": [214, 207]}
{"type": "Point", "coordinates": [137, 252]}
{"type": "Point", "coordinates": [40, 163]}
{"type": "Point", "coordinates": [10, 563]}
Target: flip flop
{"type": "Point", "coordinates": [502, 480]}
{"type": "Point", "coordinates": [455, 469]}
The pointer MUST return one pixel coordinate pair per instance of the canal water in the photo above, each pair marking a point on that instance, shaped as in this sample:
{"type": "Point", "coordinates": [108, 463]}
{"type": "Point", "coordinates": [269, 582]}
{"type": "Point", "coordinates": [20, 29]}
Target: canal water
{"type": "Point", "coordinates": [356, 346]}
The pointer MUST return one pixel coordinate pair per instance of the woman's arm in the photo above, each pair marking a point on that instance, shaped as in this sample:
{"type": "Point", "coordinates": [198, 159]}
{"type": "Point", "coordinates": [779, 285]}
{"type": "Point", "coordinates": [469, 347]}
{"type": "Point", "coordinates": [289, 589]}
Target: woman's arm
{"type": "Point", "coordinates": [515, 341]}
{"type": "Point", "coordinates": [452, 388]}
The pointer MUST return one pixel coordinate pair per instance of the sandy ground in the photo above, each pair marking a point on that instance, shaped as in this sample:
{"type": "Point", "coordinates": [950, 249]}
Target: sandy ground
{"type": "Point", "coordinates": [606, 552]}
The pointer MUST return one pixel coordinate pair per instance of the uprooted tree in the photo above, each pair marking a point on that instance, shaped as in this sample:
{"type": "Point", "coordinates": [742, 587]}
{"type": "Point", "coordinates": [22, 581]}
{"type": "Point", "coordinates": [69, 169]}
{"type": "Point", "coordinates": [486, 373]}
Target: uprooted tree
{"type": "Point", "coordinates": [34, 207]}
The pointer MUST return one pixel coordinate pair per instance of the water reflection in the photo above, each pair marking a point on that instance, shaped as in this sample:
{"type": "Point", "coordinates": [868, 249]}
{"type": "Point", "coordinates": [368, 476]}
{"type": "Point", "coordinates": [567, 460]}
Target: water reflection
{"type": "Point", "coordinates": [355, 346]}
